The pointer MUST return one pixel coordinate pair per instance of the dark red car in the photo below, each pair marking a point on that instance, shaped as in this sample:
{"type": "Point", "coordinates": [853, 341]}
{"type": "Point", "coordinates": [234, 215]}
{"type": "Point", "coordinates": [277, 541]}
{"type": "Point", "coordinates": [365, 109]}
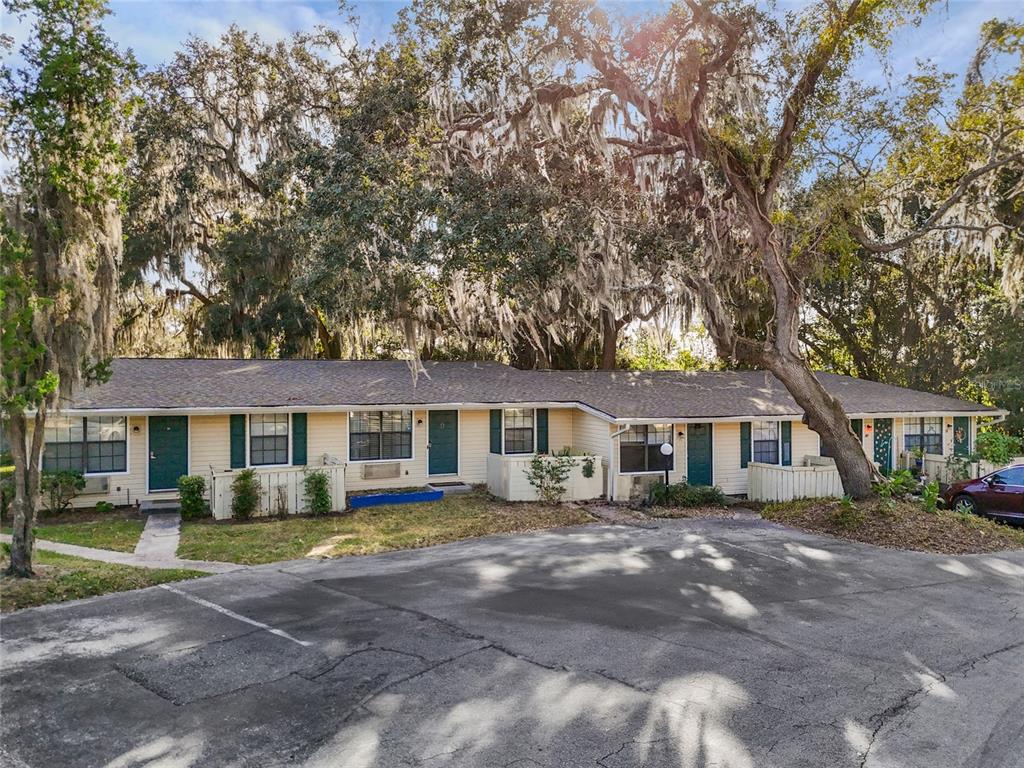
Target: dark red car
{"type": "Point", "coordinates": [1000, 494]}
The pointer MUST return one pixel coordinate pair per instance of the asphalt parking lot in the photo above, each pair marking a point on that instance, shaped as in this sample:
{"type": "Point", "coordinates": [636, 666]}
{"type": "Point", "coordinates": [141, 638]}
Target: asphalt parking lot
{"type": "Point", "coordinates": [696, 643]}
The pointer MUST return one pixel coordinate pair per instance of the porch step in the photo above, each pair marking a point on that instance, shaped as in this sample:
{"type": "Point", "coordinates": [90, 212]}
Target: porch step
{"type": "Point", "coordinates": [450, 487]}
{"type": "Point", "coordinates": [154, 506]}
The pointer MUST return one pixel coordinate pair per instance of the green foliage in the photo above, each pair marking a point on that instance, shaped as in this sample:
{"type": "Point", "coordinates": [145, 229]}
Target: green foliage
{"type": "Point", "coordinates": [998, 447]}
{"type": "Point", "coordinates": [930, 497]}
{"type": "Point", "coordinates": [245, 494]}
{"type": "Point", "coordinates": [317, 486]}
{"type": "Point", "coordinates": [846, 515]}
{"type": "Point", "coordinates": [588, 467]}
{"type": "Point", "coordinates": [59, 488]}
{"type": "Point", "coordinates": [191, 494]}
{"type": "Point", "coordinates": [104, 507]}
{"type": "Point", "coordinates": [684, 495]}
{"type": "Point", "coordinates": [959, 467]}
{"type": "Point", "coordinates": [548, 474]}
{"type": "Point", "coordinates": [896, 486]}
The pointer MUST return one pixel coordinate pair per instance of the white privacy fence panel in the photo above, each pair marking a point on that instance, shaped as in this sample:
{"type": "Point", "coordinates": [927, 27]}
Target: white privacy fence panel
{"type": "Point", "coordinates": [282, 490]}
{"type": "Point", "coordinates": [507, 479]}
{"type": "Point", "coordinates": [771, 482]}
{"type": "Point", "coordinates": [945, 471]}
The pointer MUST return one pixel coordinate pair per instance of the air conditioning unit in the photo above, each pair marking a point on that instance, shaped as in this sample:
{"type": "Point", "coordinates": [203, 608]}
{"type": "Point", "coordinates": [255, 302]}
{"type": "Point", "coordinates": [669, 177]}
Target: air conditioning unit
{"type": "Point", "coordinates": [96, 485]}
{"type": "Point", "coordinates": [381, 471]}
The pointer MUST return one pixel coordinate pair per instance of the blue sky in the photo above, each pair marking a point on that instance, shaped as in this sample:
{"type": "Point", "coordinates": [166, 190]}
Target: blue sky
{"type": "Point", "coordinates": [154, 29]}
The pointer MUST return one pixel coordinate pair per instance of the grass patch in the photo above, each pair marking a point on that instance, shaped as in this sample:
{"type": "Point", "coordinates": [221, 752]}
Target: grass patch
{"type": "Point", "coordinates": [369, 530]}
{"type": "Point", "coordinates": [118, 530]}
{"type": "Point", "coordinates": [62, 577]}
{"type": "Point", "coordinates": [904, 525]}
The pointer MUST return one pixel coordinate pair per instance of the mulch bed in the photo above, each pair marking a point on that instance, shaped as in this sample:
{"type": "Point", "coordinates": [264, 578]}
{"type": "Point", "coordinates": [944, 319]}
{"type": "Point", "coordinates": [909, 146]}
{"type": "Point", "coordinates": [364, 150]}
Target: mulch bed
{"type": "Point", "coordinates": [689, 512]}
{"type": "Point", "coordinates": [81, 515]}
{"type": "Point", "coordinates": [905, 526]}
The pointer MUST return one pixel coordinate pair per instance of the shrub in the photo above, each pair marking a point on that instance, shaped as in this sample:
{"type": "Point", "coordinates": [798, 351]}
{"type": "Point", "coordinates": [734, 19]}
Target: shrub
{"type": "Point", "coordinates": [846, 515]}
{"type": "Point", "coordinates": [588, 467]}
{"type": "Point", "coordinates": [959, 467]}
{"type": "Point", "coordinates": [548, 475]}
{"type": "Point", "coordinates": [191, 493]}
{"type": "Point", "coordinates": [930, 497]}
{"type": "Point", "coordinates": [59, 488]}
{"type": "Point", "coordinates": [998, 447]}
{"type": "Point", "coordinates": [318, 492]}
{"type": "Point", "coordinates": [684, 495]}
{"type": "Point", "coordinates": [104, 507]}
{"type": "Point", "coordinates": [245, 495]}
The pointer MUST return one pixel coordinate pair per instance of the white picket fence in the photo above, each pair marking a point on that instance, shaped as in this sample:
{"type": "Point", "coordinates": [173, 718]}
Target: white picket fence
{"type": "Point", "coordinates": [816, 478]}
{"type": "Point", "coordinates": [282, 490]}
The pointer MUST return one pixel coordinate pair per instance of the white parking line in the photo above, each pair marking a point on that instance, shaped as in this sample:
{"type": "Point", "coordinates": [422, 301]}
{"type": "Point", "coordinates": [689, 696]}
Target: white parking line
{"type": "Point", "coordinates": [238, 616]}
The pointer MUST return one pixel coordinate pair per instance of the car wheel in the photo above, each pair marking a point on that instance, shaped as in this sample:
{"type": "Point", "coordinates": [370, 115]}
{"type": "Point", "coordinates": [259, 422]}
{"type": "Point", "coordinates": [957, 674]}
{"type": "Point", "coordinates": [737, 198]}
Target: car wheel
{"type": "Point", "coordinates": [965, 504]}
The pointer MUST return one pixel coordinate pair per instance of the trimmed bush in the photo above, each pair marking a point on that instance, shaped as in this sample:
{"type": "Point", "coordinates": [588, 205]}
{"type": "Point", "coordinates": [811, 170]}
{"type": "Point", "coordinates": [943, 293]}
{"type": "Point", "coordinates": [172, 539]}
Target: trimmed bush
{"type": "Point", "coordinates": [548, 474]}
{"type": "Point", "coordinates": [318, 492]}
{"type": "Point", "coordinates": [191, 493]}
{"type": "Point", "coordinates": [103, 507]}
{"type": "Point", "coordinates": [245, 495]}
{"type": "Point", "coordinates": [685, 495]}
{"type": "Point", "coordinates": [59, 488]}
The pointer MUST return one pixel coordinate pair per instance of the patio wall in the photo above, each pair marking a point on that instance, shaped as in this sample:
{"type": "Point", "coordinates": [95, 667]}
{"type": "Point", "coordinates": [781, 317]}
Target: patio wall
{"type": "Point", "coordinates": [506, 479]}
{"type": "Point", "coordinates": [816, 478]}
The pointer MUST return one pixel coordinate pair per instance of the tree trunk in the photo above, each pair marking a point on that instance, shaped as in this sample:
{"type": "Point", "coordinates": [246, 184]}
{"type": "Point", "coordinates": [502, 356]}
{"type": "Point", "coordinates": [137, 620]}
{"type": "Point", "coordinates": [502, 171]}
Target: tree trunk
{"type": "Point", "coordinates": [609, 340]}
{"type": "Point", "coordinates": [26, 491]}
{"type": "Point", "coordinates": [825, 415]}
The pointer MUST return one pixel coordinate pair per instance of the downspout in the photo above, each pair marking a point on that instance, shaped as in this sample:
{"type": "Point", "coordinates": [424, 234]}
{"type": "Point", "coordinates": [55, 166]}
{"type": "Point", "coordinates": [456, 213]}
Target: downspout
{"type": "Point", "coordinates": [611, 462]}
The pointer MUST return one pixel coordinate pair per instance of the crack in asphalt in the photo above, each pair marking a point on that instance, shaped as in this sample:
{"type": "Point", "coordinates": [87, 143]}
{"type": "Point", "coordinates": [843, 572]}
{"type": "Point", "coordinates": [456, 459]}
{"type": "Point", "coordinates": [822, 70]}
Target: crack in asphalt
{"type": "Point", "coordinates": [907, 702]}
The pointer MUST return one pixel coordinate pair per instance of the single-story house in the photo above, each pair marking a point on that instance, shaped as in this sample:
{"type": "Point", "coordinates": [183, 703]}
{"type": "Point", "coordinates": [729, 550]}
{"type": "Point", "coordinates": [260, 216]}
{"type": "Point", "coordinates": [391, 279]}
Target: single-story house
{"type": "Point", "coordinates": [375, 425]}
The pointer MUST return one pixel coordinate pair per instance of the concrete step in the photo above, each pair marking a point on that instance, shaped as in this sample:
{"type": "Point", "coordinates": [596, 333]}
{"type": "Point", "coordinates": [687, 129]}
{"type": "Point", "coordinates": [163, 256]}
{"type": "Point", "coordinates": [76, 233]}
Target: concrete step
{"type": "Point", "coordinates": [155, 506]}
{"type": "Point", "coordinates": [450, 487]}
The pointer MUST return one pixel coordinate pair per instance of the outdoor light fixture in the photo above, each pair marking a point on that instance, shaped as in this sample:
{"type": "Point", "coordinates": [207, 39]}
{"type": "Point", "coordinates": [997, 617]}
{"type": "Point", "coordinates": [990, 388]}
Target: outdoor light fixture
{"type": "Point", "coordinates": [666, 451]}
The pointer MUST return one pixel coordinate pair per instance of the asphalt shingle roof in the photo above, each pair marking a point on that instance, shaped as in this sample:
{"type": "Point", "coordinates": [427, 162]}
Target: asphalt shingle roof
{"type": "Point", "coordinates": [156, 384]}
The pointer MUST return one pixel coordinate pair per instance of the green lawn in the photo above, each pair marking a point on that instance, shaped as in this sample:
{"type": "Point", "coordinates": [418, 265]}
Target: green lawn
{"type": "Point", "coordinates": [117, 534]}
{"type": "Point", "coordinates": [366, 531]}
{"type": "Point", "coordinates": [61, 577]}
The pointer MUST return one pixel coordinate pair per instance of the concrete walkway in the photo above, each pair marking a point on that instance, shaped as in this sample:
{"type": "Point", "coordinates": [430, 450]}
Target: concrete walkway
{"type": "Point", "coordinates": [157, 548]}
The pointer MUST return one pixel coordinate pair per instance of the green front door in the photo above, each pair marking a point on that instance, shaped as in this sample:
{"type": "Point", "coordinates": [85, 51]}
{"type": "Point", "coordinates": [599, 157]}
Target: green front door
{"type": "Point", "coordinates": [168, 451]}
{"type": "Point", "coordinates": [962, 435]}
{"type": "Point", "coordinates": [698, 454]}
{"type": "Point", "coordinates": [443, 442]}
{"type": "Point", "coordinates": [883, 445]}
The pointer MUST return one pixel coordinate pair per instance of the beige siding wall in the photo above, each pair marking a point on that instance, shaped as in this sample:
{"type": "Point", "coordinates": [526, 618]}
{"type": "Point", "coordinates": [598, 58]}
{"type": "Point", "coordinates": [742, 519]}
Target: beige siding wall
{"type": "Point", "coordinates": [326, 434]}
{"type": "Point", "coordinates": [474, 445]}
{"type": "Point", "coordinates": [805, 442]}
{"type": "Point", "coordinates": [210, 444]}
{"type": "Point", "coordinates": [560, 428]}
{"type": "Point", "coordinates": [725, 444]}
{"type": "Point", "coordinates": [590, 434]}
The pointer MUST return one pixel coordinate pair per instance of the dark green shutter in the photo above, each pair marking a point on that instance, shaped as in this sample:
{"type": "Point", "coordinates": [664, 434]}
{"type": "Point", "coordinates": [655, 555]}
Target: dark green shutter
{"type": "Point", "coordinates": [542, 430]}
{"type": "Point", "coordinates": [787, 443]}
{"type": "Point", "coordinates": [299, 439]}
{"type": "Point", "coordinates": [744, 443]}
{"type": "Point", "coordinates": [858, 428]}
{"type": "Point", "coordinates": [237, 441]}
{"type": "Point", "coordinates": [495, 430]}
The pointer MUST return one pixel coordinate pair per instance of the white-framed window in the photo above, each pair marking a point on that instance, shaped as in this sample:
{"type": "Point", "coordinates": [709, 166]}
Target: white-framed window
{"type": "Point", "coordinates": [93, 445]}
{"type": "Point", "coordinates": [268, 439]}
{"type": "Point", "coordinates": [640, 448]}
{"type": "Point", "coordinates": [764, 441]}
{"type": "Point", "coordinates": [379, 435]}
{"type": "Point", "coordinates": [924, 433]}
{"type": "Point", "coordinates": [519, 430]}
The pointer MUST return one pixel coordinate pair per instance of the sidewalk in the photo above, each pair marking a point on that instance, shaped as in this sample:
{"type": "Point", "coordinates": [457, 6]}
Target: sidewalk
{"type": "Point", "coordinates": [157, 548]}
